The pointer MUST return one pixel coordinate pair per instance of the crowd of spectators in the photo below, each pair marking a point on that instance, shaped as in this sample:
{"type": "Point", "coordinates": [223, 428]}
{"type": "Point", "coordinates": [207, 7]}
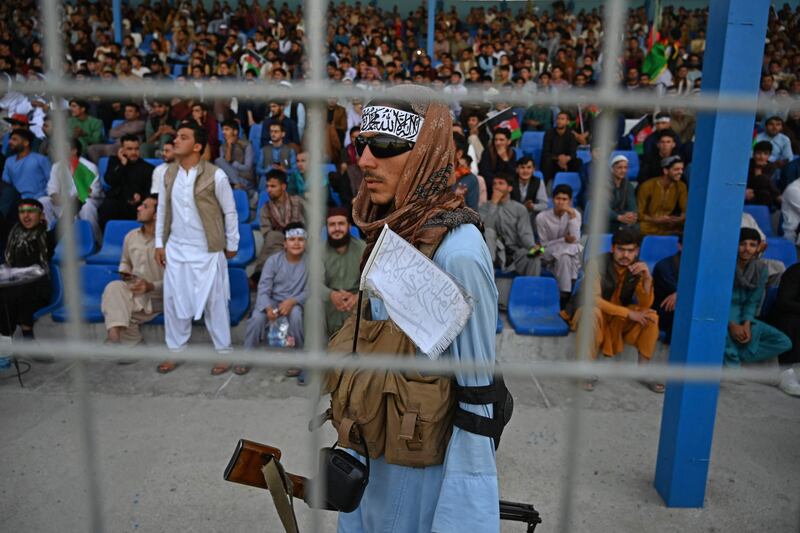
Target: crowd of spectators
{"type": "Point", "coordinates": [533, 217]}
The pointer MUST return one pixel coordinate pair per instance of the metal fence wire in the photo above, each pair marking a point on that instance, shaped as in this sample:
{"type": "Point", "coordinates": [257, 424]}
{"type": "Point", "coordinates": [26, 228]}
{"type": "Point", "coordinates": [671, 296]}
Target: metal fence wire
{"type": "Point", "coordinates": [314, 91]}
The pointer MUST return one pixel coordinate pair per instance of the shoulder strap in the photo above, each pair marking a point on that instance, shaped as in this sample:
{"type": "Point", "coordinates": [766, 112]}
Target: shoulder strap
{"type": "Point", "coordinates": [280, 487]}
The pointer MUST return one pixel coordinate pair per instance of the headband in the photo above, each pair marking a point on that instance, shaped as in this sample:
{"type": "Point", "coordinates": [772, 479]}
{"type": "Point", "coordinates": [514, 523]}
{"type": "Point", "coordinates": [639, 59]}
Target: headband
{"type": "Point", "coordinates": [295, 232]}
{"type": "Point", "coordinates": [382, 119]}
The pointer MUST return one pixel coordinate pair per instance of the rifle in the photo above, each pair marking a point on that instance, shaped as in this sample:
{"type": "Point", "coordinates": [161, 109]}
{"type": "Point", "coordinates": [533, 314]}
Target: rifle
{"type": "Point", "coordinates": [249, 458]}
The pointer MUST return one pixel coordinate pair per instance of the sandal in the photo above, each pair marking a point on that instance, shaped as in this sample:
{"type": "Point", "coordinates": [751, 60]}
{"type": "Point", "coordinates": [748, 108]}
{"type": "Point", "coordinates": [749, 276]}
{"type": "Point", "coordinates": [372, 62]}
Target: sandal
{"type": "Point", "coordinates": [167, 366]}
{"type": "Point", "coordinates": [292, 372]}
{"type": "Point", "coordinates": [654, 386]}
{"type": "Point", "coordinates": [219, 369]}
{"type": "Point", "coordinates": [588, 385]}
{"type": "Point", "coordinates": [240, 370]}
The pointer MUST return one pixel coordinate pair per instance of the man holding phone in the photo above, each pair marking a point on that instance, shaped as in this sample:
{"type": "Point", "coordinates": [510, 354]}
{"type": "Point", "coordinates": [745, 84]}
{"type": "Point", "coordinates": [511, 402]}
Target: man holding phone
{"type": "Point", "coordinates": [138, 297]}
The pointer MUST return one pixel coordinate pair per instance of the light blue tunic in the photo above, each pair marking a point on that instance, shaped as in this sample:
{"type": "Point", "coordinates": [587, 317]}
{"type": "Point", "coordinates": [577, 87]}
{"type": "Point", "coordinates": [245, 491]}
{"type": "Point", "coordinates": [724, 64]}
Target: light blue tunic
{"type": "Point", "coordinates": [460, 495]}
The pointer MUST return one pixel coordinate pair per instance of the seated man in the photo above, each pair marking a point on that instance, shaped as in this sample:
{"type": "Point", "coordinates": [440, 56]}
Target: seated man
{"type": "Point", "coordinates": [665, 282]}
{"type": "Point", "coordinates": [276, 155]}
{"type": "Point", "coordinates": [748, 339]}
{"type": "Point", "coordinates": [29, 244]}
{"type": "Point", "coordinates": [529, 190]}
{"type": "Point", "coordinates": [560, 149]}
{"type": "Point", "coordinates": [786, 316]}
{"type": "Point", "coordinates": [508, 231]}
{"type": "Point", "coordinates": [666, 143]}
{"type": "Point", "coordinates": [236, 158]}
{"type": "Point", "coordinates": [662, 201]}
{"type": "Point", "coordinates": [559, 231]}
{"type": "Point", "coordinates": [138, 298]}
{"type": "Point", "coordinates": [622, 210]}
{"type": "Point", "coordinates": [281, 210]}
{"type": "Point", "coordinates": [342, 270]}
{"type": "Point", "coordinates": [624, 296]}
{"type": "Point", "coordinates": [84, 127]}
{"type": "Point", "coordinates": [761, 188]}
{"type": "Point", "coordinates": [282, 291]}
{"type": "Point", "coordinates": [133, 126]}
{"type": "Point", "coordinates": [25, 176]}
{"type": "Point", "coordinates": [85, 191]}
{"type": "Point", "coordinates": [130, 178]}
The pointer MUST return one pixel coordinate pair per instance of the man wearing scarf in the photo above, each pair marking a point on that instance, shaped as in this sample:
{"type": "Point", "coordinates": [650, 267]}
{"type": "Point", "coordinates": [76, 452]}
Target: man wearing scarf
{"type": "Point", "coordinates": [748, 339]}
{"type": "Point", "coordinates": [406, 152]}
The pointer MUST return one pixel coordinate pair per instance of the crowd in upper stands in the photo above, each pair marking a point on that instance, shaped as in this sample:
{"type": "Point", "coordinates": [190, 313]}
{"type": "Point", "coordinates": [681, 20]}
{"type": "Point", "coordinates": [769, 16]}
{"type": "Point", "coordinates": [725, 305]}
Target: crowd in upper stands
{"type": "Point", "coordinates": [525, 170]}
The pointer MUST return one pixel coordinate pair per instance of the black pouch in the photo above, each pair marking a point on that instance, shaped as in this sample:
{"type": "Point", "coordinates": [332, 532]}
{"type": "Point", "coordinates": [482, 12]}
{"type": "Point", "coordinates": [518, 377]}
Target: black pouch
{"type": "Point", "coordinates": [346, 479]}
{"type": "Point", "coordinates": [502, 403]}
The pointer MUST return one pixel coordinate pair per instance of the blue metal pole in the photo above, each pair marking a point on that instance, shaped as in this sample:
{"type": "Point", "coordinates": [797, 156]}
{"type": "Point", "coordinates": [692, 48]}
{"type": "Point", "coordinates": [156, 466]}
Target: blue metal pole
{"type": "Point", "coordinates": [732, 63]}
{"type": "Point", "coordinates": [116, 8]}
{"type": "Point", "coordinates": [431, 20]}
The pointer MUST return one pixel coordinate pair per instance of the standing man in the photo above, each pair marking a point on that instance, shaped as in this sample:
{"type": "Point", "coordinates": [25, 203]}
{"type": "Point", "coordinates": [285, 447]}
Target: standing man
{"type": "Point", "coordinates": [196, 230]}
{"type": "Point", "coordinates": [282, 291]}
{"type": "Point", "coordinates": [138, 297]}
{"type": "Point", "coordinates": [662, 201]}
{"type": "Point", "coordinates": [559, 231]}
{"type": "Point", "coordinates": [407, 185]}
{"type": "Point", "coordinates": [342, 270]}
{"type": "Point", "coordinates": [130, 178]}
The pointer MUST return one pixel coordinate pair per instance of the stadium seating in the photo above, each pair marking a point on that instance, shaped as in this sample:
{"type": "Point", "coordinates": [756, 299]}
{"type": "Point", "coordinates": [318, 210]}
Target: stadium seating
{"type": "Point", "coordinates": [263, 197]}
{"type": "Point", "coordinates": [585, 155]}
{"type": "Point", "coordinates": [605, 245]}
{"type": "Point", "coordinates": [782, 250]}
{"type": "Point", "coordinates": [94, 279]}
{"type": "Point", "coordinates": [531, 141]}
{"type": "Point", "coordinates": [533, 307]}
{"type": "Point", "coordinates": [499, 328]}
{"type": "Point", "coordinates": [240, 294]}
{"type": "Point", "coordinates": [657, 247]}
{"type": "Point", "coordinates": [242, 205]}
{"type": "Point", "coordinates": [633, 162]}
{"type": "Point", "coordinates": [84, 242]}
{"type": "Point", "coordinates": [114, 124]}
{"type": "Point", "coordinates": [762, 217]}
{"type": "Point", "coordinates": [572, 179]}
{"type": "Point", "coordinates": [113, 238]}
{"type": "Point", "coordinates": [247, 248]}
{"type": "Point", "coordinates": [56, 293]}
{"type": "Point", "coordinates": [102, 167]}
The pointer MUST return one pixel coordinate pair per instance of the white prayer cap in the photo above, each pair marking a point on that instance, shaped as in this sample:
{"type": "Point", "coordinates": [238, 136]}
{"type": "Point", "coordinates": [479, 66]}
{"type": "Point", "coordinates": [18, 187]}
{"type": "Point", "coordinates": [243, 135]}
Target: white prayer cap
{"type": "Point", "coordinates": [617, 158]}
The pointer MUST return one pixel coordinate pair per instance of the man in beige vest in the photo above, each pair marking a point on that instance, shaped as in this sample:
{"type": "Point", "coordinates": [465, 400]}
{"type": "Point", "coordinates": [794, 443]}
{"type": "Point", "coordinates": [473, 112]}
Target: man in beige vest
{"type": "Point", "coordinates": [196, 230]}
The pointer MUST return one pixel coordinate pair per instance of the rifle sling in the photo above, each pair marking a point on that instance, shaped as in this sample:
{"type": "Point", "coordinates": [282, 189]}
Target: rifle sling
{"type": "Point", "coordinates": [280, 487]}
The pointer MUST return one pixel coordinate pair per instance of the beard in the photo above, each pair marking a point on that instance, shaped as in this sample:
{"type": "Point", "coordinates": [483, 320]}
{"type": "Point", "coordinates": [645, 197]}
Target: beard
{"type": "Point", "coordinates": [338, 243]}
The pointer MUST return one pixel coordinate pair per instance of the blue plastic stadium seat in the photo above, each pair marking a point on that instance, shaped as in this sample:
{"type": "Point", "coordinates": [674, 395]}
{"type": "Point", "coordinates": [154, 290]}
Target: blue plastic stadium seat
{"type": "Point", "coordinates": [633, 162]}
{"type": "Point", "coordinates": [585, 155]}
{"type": "Point", "coordinates": [114, 124]}
{"type": "Point", "coordinates": [770, 296]}
{"type": "Point", "coordinates": [240, 294]}
{"type": "Point", "coordinates": [533, 307]}
{"type": "Point", "coordinates": [537, 156]}
{"type": "Point", "coordinates": [605, 245]}
{"type": "Point", "coordinates": [263, 197]}
{"type": "Point", "coordinates": [247, 248]}
{"type": "Point", "coordinates": [782, 250]}
{"type": "Point", "coordinates": [761, 214]}
{"type": "Point", "coordinates": [113, 238]}
{"type": "Point", "coordinates": [242, 205]}
{"type": "Point", "coordinates": [572, 179]}
{"type": "Point", "coordinates": [255, 134]}
{"type": "Point", "coordinates": [84, 243]}
{"type": "Point", "coordinates": [657, 247]}
{"type": "Point", "coordinates": [102, 167]}
{"type": "Point", "coordinates": [56, 293]}
{"type": "Point", "coordinates": [499, 274]}
{"type": "Point", "coordinates": [531, 141]}
{"type": "Point", "coordinates": [499, 328]}
{"type": "Point", "coordinates": [94, 279]}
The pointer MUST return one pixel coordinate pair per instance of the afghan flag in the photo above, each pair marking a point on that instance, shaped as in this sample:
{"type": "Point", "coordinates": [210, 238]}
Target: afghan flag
{"type": "Point", "coordinates": [640, 131]}
{"type": "Point", "coordinates": [252, 61]}
{"type": "Point", "coordinates": [504, 119]}
{"type": "Point", "coordinates": [82, 177]}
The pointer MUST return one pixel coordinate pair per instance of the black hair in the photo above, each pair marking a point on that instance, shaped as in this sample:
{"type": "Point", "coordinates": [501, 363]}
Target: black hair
{"type": "Point", "coordinates": [24, 134]}
{"type": "Point", "coordinates": [524, 160]}
{"type": "Point", "coordinates": [200, 134]}
{"type": "Point", "coordinates": [562, 189]}
{"type": "Point", "coordinates": [626, 235]}
{"type": "Point", "coordinates": [763, 146]}
{"type": "Point", "coordinates": [294, 225]}
{"type": "Point", "coordinates": [129, 137]}
{"type": "Point", "coordinates": [79, 103]}
{"type": "Point", "coordinates": [503, 176]}
{"type": "Point", "coordinates": [279, 124]}
{"type": "Point", "coordinates": [503, 131]}
{"type": "Point", "coordinates": [277, 174]}
{"type": "Point", "coordinates": [230, 123]}
{"type": "Point", "coordinates": [76, 145]}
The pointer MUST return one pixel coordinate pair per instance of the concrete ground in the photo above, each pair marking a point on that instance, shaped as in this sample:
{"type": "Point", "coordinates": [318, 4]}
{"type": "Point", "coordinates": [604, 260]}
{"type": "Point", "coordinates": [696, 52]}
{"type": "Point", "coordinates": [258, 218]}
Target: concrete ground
{"type": "Point", "coordinates": [164, 441]}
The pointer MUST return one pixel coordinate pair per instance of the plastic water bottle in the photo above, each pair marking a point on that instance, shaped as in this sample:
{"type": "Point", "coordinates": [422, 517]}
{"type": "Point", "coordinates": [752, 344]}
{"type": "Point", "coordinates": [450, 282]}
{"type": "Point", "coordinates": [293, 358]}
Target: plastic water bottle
{"type": "Point", "coordinates": [5, 363]}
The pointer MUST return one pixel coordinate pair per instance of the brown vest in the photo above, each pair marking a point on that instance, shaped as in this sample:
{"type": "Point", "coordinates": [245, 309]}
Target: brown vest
{"type": "Point", "coordinates": [205, 198]}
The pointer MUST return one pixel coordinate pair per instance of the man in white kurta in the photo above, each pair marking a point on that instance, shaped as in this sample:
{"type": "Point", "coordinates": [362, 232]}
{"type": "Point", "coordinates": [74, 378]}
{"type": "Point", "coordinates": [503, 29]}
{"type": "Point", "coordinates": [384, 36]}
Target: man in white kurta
{"type": "Point", "coordinates": [559, 231]}
{"type": "Point", "coordinates": [196, 278]}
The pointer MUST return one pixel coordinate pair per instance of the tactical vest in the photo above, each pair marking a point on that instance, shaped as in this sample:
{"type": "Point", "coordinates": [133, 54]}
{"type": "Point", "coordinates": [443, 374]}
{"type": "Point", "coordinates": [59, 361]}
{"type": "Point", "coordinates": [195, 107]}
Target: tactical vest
{"type": "Point", "coordinates": [407, 417]}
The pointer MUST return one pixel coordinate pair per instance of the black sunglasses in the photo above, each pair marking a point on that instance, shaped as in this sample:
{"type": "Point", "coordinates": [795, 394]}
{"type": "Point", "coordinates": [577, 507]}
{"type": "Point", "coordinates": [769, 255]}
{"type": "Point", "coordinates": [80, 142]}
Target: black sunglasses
{"type": "Point", "coordinates": [383, 146]}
